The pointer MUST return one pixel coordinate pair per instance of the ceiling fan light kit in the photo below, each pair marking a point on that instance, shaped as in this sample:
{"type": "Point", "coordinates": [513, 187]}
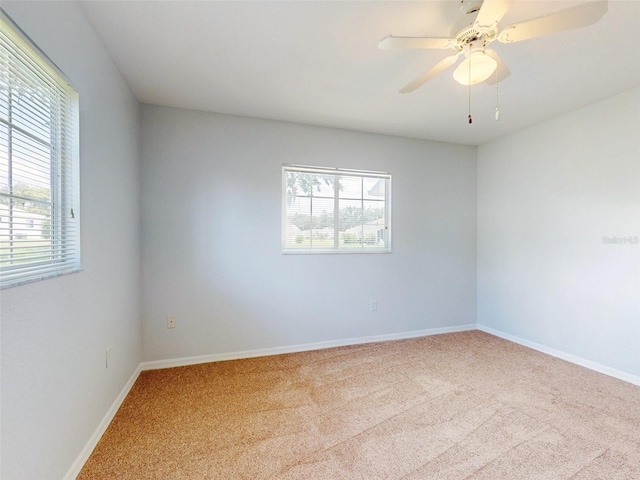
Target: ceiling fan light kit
{"type": "Point", "coordinates": [476, 68]}
{"type": "Point", "coordinates": [478, 28]}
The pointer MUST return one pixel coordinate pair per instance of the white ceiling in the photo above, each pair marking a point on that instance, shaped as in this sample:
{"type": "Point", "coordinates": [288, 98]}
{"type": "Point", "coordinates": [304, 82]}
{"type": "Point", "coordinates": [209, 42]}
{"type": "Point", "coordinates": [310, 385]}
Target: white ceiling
{"type": "Point", "coordinates": [318, 62]}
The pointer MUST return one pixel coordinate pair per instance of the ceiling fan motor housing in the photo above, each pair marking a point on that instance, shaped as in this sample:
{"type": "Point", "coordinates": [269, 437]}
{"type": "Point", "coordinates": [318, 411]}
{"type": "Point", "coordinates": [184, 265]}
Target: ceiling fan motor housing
{"type": "Point", "coordinates": [466, 32]}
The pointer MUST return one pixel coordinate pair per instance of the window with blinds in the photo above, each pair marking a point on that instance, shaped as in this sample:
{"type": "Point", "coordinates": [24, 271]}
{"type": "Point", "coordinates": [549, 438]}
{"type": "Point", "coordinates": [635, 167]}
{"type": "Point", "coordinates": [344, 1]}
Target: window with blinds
{"type": "Point", "coordinates": [334, 210]}
{"type": "Point", "coordinates": [39, 214]}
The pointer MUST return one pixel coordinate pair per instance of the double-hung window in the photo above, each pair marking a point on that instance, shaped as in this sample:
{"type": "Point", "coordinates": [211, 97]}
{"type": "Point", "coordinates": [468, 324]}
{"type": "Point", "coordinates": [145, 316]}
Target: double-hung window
{"type": "Point", "coordinates": [39, 226]}
{"type": "Point", "coordinates": [334, 210]}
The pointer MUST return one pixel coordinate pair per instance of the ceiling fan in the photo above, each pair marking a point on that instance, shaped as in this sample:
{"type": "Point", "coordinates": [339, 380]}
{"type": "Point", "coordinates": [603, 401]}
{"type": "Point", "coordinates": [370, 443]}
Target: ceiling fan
{"type": "Point", "coordinates": [479, 27]}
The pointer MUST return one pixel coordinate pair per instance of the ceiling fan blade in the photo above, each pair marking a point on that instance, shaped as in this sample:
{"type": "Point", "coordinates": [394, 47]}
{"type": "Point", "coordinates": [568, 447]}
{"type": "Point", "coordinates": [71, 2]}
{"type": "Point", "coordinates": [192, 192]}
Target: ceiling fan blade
{"type": "Point", "coordinates": [392, 42]}
{"type": "Point", "coordinates": [491, 13]}
{"type": "Point", "coordinates": [567, 19]}
{"type": "Point", "coordinates": [501, 69]}
{"type": "Point", "coordinates": [429, 74]}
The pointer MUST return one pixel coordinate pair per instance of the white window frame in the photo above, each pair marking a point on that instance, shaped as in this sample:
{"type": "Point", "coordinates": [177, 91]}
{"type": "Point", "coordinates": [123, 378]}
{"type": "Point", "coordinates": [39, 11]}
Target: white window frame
{"type": "Point", "coordinates": [337, 247]}
{"type": "Point", "coordinates": [39, 145]}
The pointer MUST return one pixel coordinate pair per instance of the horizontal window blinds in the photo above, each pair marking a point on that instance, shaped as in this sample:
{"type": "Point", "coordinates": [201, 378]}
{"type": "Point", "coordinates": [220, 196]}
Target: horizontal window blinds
{"type": "Point", "coordinates": [332, 210]}
{"type": "Point", "coordinates": [39, 213]}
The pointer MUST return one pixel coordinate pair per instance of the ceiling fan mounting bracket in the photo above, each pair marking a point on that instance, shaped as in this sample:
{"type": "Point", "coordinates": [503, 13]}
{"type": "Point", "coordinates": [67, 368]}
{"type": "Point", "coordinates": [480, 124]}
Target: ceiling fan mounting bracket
{"type": "Point", "coordinates": [470, 6]}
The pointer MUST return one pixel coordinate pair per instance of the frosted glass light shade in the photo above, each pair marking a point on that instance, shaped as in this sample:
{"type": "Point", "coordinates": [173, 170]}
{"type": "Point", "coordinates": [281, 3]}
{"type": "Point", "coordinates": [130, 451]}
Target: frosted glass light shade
{"type": "Point", "coordinates": [481, 65]}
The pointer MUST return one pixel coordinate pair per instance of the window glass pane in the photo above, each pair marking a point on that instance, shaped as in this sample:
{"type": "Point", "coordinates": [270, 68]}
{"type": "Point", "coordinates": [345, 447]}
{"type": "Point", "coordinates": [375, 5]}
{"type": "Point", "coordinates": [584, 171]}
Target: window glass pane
{"type": "Point", "coordinates": [4, 159]}
{"type": "Point", "coordinates": [298, 184]}
{"type": "Point", "coordinates": [374, 188]}
{"type": "Point", "coordinates": [323, 186]}
{"type": "Point", "coordinates": [373, 210]}
{"type": "Point", "coordinates": [298, 222]}
{"type": "Point", "coordinates": [322, 223]}
{"type": "Point", "coordinates": [31, 165]}
{"type": "Point", "coordinates": [4, 101]}
{"type": "Point", "coordinates": [373, 223]}
{"type": "Point", "coordinates": [310, 184]}
{"type": "Point", "coordinates": [31, 111]}
{"type": "Point", "coordinates": [4, 84]}
{"type": "Point", "coordinates": [350, 222]}
{"type": "Point", "coordinates": [350, 187]}
{"type": "Point", "coordinates": [310, 222]}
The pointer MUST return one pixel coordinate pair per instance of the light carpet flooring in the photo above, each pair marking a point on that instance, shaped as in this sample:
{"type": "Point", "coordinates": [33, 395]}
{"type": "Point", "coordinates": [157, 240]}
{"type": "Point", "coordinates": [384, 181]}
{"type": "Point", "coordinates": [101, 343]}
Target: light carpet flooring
{"type": "Point", "coordinates": [456, 406]}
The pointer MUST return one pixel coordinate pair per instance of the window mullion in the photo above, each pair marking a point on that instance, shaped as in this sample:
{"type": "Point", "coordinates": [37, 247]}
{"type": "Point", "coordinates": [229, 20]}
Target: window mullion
{"type": "Point", "coordinates": [387, 213]}
{"type": "Point", "coordinates": [311, 219]}
{"type": "Point", "coordinates": [336, 212]}
{"type": "Point", "coordinates": [10, 170]}
{"type": "Point", "coordinates": [362, 244]}
{"type": "Point", "coordinates": [54, 139]}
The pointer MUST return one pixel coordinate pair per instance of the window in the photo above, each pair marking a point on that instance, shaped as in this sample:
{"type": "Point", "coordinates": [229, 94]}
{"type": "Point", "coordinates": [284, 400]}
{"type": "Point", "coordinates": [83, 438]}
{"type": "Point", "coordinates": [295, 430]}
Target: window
{"type": "Point", "coordinates": [39, 231]}
{"type": "Point", "coordinates": [333, 210]}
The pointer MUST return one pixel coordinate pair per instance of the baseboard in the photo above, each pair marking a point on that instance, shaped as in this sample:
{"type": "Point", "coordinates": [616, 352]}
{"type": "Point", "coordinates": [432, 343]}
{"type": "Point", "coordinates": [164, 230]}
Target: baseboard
{"type": "Point", "coordinates": [612, 372]}
{"type": "Point", "coordinates": [263, 352]}
{"type": "Point", "coordinates": [179, 362]}
{"type": "Point", "coordinates": [102, 427]}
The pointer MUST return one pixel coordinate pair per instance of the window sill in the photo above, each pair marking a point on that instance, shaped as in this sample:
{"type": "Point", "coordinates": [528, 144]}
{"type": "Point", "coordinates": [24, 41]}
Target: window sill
{"type": "Point", "coordinates": [27, 281]}
{"type": "Point", "coordinates": [342, 251]}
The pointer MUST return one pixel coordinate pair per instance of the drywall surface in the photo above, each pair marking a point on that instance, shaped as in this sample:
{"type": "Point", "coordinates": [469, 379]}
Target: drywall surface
{"type": "Point", "coordinates": [55, 387]}
{"type": "Point", "coordinates": [558, 229]}
{"type": "Point", "coordinates": [212, 231]}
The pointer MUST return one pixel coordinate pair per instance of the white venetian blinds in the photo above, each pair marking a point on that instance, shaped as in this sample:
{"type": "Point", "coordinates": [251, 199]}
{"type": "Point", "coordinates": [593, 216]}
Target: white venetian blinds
{"type": "Point", "coordinates": [334, 210]}
{"type": "Point", "coordinates": [39, 214]}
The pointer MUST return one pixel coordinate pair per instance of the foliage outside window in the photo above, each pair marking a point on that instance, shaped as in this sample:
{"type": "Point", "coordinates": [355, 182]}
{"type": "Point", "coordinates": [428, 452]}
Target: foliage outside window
{"type": "Point", "coordinates": [39, 230]}
{"type": "Point", "coordinates": [332, 210]}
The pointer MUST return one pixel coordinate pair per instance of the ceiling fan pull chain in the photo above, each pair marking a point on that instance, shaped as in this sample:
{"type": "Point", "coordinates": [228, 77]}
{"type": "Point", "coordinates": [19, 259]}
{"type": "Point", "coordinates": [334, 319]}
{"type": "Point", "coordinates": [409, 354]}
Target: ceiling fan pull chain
{"type": "Point", "coordinates": [497, 109]}
{"type": "Point", "coordinates": [469, 117]}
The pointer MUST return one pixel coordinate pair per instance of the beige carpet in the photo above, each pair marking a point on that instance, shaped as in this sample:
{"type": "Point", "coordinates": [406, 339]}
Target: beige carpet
{"type": "Point", "coordinates": [457, 406]}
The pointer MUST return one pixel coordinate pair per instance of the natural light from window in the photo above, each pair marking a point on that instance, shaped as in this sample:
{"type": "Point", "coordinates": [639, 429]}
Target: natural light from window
{"type": "Point", "coordinates": [332, 210]}
{"type": "Point", "coordinates": [39, 223]}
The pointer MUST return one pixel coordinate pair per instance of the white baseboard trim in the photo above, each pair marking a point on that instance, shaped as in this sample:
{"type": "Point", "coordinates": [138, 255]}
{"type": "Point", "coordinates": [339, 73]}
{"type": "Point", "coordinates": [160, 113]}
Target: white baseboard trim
{"type": "Point", "coordinates": [263, 352]}
{"type": "Point", "coordinates": [180, 362]}
{"type": "Point", "coordinates": [612, 372]}
{"type": "Point", "coordinates": [102, 427]}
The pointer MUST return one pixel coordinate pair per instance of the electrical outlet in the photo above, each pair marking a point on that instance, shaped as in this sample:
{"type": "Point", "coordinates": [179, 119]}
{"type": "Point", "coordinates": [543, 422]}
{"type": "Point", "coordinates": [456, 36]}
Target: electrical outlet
{"type": "Point", "coordinates": [374, 305]}
{"type": "Point", "coordinates": [107, 358]}
{"type": "Point", "coordinates": [171, 322]}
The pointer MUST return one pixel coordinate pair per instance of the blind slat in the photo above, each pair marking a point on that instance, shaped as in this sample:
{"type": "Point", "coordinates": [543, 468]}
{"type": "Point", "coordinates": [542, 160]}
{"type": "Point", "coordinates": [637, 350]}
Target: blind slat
{"type": "Point", "coordinates": [335, 210]}
{"type": "Point", "coordinates": [39, 164]}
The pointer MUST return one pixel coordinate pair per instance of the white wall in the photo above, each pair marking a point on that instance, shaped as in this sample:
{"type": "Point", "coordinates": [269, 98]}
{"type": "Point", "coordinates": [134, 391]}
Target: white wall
{"type": "Point", "coordinates": [211, 237]}
{"type": "Point", "coordinates": [55, 387]}
{"type": "Point", "coordinates": [546, 198]}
